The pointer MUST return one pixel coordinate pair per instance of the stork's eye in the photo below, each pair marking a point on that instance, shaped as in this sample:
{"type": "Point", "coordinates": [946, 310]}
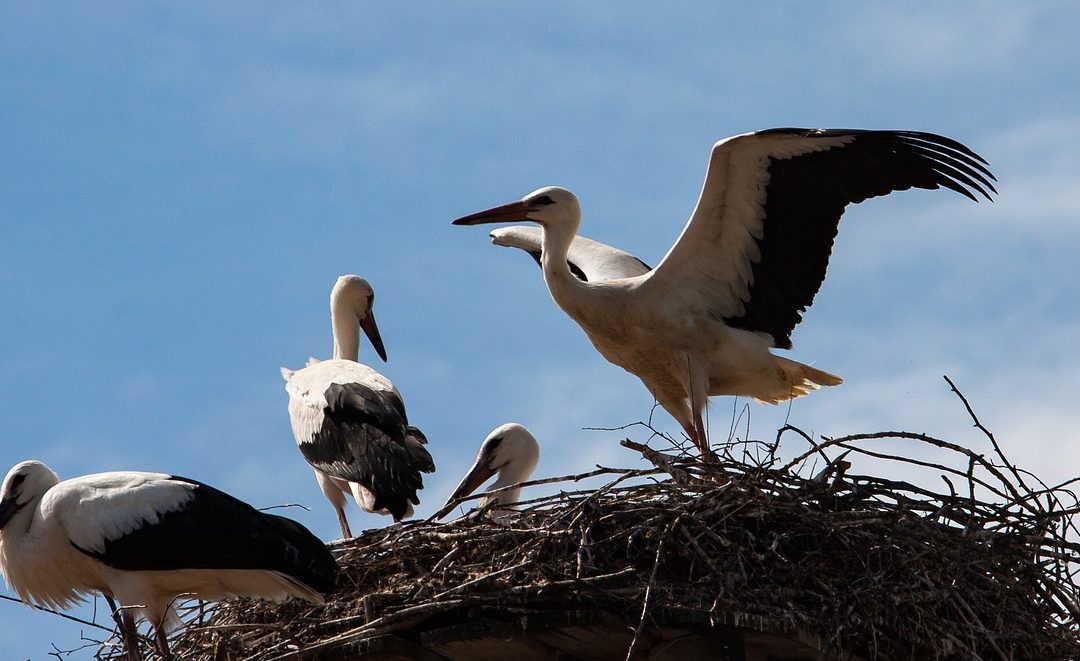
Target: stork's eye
{"type": "Point", "coordinates": [544, 200]}
{"type": "Point", "coordinates": [17, 480]}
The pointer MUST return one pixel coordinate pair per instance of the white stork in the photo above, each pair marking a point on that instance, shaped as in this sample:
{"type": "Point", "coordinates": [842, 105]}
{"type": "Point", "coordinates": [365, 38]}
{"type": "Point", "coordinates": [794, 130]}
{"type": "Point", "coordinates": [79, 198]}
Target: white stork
{"type": "Point", "coordinates": [349, 421]}
{"type": "Point", "coordinates": [145, 539]}
{"type": "Point", "coordinates": [747, 264]}
{"type": "Point", "coordinates": [512, 452]}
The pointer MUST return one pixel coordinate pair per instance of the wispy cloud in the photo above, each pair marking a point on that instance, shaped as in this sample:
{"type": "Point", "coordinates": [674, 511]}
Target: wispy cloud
{"type": "Point", "coordinates": [926, 41]}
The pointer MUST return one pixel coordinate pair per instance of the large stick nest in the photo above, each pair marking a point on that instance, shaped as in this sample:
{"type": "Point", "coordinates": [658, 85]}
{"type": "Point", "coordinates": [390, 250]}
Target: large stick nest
{"type": "Point", "coordinates": [982, 568]}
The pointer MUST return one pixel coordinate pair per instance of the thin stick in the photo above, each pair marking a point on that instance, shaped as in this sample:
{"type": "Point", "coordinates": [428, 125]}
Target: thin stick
{"type": "Point", "coordinates": [58, 613]}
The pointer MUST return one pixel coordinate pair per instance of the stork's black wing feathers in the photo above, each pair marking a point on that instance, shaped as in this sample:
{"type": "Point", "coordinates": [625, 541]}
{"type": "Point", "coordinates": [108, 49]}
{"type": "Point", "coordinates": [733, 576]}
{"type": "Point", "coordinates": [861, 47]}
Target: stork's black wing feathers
{"type": "Point", "coordinates": [365, 438]}
{"type": "Point", "coordinates": [217, 531]}
{"type": "Point", "coordinates": [807, 194]}
{"type": "Point", "coordinates": [574, 268]}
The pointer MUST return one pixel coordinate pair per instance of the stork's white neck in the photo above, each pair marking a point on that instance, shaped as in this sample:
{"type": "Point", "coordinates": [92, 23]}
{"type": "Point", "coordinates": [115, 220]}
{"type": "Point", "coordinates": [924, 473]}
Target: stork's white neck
{"type": "Point", "coordinates": [511, 473]}
{"type": "Point", "coordinates": [346, 333]}
{"type": "Point", "coordinates": [561, 283]}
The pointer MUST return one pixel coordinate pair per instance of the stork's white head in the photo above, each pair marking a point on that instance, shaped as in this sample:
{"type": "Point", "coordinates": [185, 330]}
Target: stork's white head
{"type": "Point", "coordinates": [25, 483]}
{"type": "Point", "coordinates": [509, 450]}
{"type": "Point", "coordinates": [550, 207]}
{"type": "Point", "coordinates": [351, 303]}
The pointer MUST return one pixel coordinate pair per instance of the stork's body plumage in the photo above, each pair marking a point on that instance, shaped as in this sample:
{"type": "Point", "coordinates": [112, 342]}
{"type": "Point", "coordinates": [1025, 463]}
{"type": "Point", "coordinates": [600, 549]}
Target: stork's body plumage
{"type": "Point", "coordinates": [349, 421]}
{"type": "Point", "coordinates": [747, 264]}
{"type": "Point", "coordinates": [145, 539]}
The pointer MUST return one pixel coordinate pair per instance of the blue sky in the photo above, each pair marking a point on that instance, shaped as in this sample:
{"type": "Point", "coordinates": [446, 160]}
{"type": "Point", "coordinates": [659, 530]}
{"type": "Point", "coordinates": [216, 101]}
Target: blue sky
{"type": "Point", "coordinates": [180, 185]}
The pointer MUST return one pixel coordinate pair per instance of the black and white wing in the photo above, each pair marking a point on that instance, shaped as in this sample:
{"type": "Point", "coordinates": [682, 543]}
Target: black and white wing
{"type": "Point", "coordinates": [350, 424]}
{"type": "Point", "coordinates": [758, 242]}
{"type": "Point", "coordinates": [589, 260]}
{"type": "Point", "coordinates": [153, 521]}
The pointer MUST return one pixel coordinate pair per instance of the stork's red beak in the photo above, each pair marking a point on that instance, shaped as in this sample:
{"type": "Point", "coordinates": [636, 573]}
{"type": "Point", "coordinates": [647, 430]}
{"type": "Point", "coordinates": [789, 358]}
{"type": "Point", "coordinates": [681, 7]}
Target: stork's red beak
{"type": "Point", "coordinates": [515, 212]}
{"type": "Point", "coordinates": [8, 507]}
{"type": "Point", "coordinates": [479, 474]}
{"type": "Point", "coordinates": [372, 332]}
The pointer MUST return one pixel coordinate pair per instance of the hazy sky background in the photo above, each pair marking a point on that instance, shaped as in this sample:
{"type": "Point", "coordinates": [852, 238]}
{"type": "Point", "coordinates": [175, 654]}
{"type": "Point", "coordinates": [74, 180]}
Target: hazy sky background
{"type": "Point", "coordinates": [181, 184]}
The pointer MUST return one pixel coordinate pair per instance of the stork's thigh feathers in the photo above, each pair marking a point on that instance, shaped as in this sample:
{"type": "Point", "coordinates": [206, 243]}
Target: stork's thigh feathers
{"type": "Point", "coordinates": [742, 364]}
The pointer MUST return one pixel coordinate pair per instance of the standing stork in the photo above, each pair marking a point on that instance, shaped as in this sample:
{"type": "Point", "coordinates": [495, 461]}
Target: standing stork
{"type": "Point", "coordinates": [146, 539]}
{"type": "Point", "coordinates": [747, 264]}
{"type": "Point", "coordinates": [510, 451]}
{"type": "Point", "coordinates": [349, 421]}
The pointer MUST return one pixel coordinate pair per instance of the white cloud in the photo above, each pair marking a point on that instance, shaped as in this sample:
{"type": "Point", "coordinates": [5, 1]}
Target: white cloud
{"type": "Point", "coordinates": [926, 41]}
{"type": "Point", "coordinates": [1039, 176]}
{"type": "Point", "coordinates": [1028, 410]}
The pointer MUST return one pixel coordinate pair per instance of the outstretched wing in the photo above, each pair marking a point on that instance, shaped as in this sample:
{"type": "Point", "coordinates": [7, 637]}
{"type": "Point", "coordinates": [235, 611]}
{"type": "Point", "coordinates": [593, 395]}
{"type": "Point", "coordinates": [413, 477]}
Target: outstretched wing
{"type": "Point", "coordinates": [756, 248]}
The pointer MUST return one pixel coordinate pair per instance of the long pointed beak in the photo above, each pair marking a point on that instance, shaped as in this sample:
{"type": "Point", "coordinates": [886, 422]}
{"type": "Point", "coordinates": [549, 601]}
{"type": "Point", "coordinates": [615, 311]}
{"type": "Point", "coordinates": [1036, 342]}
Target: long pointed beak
{"type": "Point", "coordinates": [477, 475]}
{"type": "Point", "coordinates": [515, 212]}
{"type": "Point", "coordinates": [8, 507]}
{"type": "Point", "coordinates": [372, 332]}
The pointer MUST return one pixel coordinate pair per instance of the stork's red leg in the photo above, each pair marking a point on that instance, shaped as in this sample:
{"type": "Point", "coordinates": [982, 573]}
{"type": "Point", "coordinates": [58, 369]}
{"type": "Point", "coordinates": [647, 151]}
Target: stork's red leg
{"type": "Point", "coordinates": [701, 437]}
{"type": "Point", "coordinates": [128, 631]}
{"type": "Point", "coordinates": [162, 641]}
{"type": "Point", "coordinates": [345, 531]}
